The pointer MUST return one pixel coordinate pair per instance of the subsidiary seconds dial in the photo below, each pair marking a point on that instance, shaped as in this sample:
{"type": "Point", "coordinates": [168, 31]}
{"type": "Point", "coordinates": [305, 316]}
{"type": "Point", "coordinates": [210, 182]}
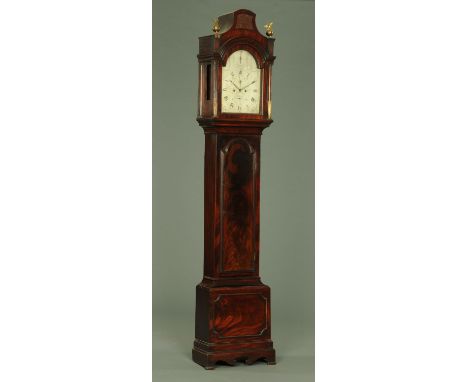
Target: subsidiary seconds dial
{"type": "Point", "coordinates": [241, 80]}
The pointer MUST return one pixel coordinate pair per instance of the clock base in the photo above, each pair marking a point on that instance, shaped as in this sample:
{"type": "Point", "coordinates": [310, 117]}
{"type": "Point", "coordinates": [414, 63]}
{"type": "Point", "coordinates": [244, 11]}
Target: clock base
{"type": "Point", "coordinates": [232, 324]}
{"type": "Point", "coordinates": [209, 359]}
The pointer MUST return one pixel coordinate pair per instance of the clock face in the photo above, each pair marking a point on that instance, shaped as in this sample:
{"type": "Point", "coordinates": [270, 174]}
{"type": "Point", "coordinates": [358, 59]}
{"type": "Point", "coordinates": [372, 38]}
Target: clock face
{"type": "Point", "coordinates": [241, 80]}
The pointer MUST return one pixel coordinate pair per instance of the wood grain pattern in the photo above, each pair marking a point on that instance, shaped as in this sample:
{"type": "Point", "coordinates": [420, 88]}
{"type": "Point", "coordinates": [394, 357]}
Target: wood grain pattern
{"type": "Point", "coordinates": [240, 315]}
{"type": "Point", "coordinates": [245, 21]}
{"type": "Point", "coordinates": [238, 207]}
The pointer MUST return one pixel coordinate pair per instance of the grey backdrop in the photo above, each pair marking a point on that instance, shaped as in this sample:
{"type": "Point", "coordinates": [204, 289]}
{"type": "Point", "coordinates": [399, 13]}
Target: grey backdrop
{"type": "Point", "coordinates": [287, 188]}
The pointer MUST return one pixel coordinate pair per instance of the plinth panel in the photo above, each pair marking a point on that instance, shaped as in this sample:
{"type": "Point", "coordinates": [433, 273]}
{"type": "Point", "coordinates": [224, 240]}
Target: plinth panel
{"type": "Point", "coordinates": [240, 315]}
{"type": "Point", "coordinates": [232, 314]}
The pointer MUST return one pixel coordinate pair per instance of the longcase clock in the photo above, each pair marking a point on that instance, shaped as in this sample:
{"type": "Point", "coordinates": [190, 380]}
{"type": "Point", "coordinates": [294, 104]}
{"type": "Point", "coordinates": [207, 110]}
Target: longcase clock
{"type": "Point", "coordinates": [232, 320]}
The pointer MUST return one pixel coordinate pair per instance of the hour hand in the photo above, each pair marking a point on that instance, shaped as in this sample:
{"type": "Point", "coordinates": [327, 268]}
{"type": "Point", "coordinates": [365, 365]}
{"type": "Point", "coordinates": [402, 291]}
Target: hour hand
{"type": "Point", "coordinates": [234, 84]}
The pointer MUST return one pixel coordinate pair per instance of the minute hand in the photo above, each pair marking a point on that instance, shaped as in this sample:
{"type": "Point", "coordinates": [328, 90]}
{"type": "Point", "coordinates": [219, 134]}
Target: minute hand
{"type": "Point", "coordinates": [247, 85]}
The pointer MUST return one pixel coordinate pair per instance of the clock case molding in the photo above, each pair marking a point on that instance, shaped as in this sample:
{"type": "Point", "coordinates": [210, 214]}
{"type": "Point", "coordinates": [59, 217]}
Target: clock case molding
{"type": "Point", "coordinates": [233, 314]}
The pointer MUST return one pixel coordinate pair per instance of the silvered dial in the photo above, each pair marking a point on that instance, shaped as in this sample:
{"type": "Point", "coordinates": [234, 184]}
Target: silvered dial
{"type": "Point", "coordinates": [241, 80]}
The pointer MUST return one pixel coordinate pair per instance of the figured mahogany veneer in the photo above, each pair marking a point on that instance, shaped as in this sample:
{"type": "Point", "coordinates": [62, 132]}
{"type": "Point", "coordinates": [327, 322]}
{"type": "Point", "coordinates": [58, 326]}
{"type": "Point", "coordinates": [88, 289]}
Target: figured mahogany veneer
{"type": "Point", "coordinates": [237, 165]}
{"type": "Point", "coordinates": [240, 315]}
{"type": "Point", "coordinates": [232, 320]}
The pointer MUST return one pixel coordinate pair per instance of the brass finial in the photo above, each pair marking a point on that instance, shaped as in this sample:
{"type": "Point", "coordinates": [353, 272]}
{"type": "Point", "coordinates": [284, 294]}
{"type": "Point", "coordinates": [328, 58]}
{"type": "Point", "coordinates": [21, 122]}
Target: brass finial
{"type": "Point", "coordinates": [216, 27]}
{"type": "Point", "coordinates": [269, 29]}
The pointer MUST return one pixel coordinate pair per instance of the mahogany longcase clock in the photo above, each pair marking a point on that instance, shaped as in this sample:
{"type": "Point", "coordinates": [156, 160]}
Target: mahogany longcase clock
{"type": "Point", "coordinates": [232, 320]}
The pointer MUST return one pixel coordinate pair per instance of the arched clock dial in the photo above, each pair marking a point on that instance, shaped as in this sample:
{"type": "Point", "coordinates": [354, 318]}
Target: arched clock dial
{"type": "Point", "coordinates": [241, 84]}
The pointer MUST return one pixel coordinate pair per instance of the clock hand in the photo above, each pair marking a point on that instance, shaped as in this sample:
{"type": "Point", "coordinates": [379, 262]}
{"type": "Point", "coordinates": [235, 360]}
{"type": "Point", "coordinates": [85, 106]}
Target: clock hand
{"type": "Point", "coordinates": [247, 85]}
{"type": "Point", "coordinates": [235, 85]}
